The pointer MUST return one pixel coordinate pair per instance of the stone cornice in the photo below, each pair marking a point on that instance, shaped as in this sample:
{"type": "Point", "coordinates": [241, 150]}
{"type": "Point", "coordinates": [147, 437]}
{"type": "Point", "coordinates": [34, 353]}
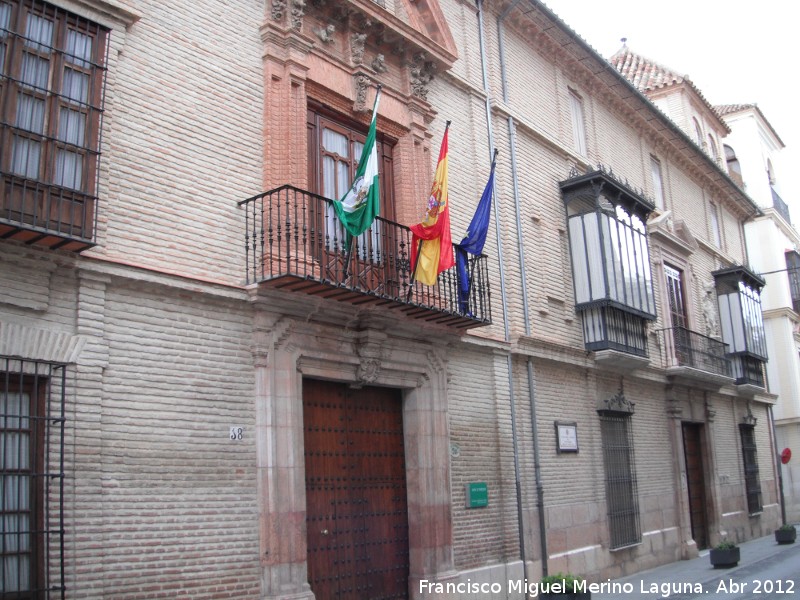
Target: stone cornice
{"type": "Point", "coordinates": [781, 313]}
{"type": "Point", "coordinates": [445, 55]}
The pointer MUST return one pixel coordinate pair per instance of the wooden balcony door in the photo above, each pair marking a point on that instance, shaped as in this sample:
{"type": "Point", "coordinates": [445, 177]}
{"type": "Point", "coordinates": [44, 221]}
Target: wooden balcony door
{"type": "Point", "coordinates": [678, 315]}
{"type": "Point", "coordinates": [356, 502]}
{"type": "Point", "coordinates": [335, 147]}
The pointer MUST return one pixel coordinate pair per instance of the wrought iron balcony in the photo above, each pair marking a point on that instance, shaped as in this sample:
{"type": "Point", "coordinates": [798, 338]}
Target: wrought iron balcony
{"type": "Point", "coordinates": [691, 355]}
{"type": "Point", "coordinates": [45, 215]}
{"type": "Point", "coordinates": [294, 242]}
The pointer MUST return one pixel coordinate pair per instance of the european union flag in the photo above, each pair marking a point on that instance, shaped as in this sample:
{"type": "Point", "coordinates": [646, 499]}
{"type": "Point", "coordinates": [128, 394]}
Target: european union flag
{"type": "Point", "coordinates": [473, 243]}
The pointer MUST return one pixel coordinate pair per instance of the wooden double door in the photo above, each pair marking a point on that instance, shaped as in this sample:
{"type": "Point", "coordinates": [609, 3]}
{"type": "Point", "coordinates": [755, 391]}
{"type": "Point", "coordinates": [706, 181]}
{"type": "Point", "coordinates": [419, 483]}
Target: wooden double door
{"type": "Point", "coordinates": [356, 502]}
{"type": "Point", "coordinates": [696, 482]}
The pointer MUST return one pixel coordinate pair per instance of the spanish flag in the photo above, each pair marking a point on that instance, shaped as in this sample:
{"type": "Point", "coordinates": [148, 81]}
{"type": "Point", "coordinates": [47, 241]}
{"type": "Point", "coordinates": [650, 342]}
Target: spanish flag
{"type": "Point", "coordinates": [432, 246]}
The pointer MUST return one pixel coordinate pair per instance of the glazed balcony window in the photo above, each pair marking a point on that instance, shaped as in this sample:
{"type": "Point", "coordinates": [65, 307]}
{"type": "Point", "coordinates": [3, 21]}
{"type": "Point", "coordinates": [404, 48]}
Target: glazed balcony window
{"type": "Point", "coordinates": [52, 72]}
{"type": "Point", "coordinates": [742, 324]}
{"type": "Point", "coordinates": [610, 260]}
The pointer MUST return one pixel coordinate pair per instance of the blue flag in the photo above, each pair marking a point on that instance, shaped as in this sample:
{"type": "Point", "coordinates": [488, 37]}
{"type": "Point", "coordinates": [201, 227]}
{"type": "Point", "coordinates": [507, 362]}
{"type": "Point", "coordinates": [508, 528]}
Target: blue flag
{"type": "Point", "coordinates": [473, 243]}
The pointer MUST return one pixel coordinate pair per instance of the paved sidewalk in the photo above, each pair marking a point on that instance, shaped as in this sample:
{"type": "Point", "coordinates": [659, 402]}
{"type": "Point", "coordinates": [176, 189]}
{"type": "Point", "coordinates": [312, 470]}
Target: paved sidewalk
{"type": "Point", "coordinates": [766, 570]}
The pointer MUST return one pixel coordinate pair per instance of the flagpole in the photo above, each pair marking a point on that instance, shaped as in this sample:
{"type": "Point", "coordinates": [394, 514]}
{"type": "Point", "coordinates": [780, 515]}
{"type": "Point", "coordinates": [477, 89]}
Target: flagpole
{"type": "Point", "coordinates": [352, 238]}
{"type": "Point", "coordinates": [419, 246]}
{"type": "Point", "coordinates": [471, 275]}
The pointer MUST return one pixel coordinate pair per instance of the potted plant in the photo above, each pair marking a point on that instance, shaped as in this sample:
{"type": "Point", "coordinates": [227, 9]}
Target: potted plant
{"type": "Point", "coordinates": [786, 534]}
{"type": "Point", "coordinates": [563, 586]}
{"type": "Point", "coordinates": [724, 555]}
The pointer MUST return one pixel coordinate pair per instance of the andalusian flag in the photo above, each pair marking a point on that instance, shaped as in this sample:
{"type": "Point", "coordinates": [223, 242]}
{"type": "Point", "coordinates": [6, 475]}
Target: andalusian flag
{"type": "Point", "coordinates": [435, 252]}
{"type": "Point", "coordinates": [360, 205]}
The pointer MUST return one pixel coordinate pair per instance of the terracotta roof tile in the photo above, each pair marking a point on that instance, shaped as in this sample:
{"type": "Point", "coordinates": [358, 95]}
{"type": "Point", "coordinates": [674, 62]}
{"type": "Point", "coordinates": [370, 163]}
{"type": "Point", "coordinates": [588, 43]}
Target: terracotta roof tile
{"type": "Point", "coordinates": [648, 76]}
{"type": "Point", "coordinates": [726, 109]}
{"type": "Point", "coordinates": [643, 73]}
{"type": "Point", "coordinates": [729, 109]}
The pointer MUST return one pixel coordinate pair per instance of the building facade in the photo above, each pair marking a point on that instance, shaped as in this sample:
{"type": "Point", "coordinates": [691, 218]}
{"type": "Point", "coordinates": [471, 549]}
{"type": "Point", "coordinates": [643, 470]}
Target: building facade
{"type": "Point", "coordinates": [210, 391]}
{"type": "Point", "coordinates": [772, 243]}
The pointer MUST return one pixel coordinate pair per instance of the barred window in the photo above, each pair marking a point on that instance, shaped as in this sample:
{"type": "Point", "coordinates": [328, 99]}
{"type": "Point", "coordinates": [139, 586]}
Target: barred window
{"type": "Point", "coordinates": [52, 67]}
{"type": "Point", "coordinates": [31, 479]}
{"type": "Point", "coordinates": [622, 495]}
{"type": "Point", "coordinates": [752, 481]}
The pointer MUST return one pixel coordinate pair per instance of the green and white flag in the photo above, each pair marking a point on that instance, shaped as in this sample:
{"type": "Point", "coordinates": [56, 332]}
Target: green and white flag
{"type": "Point", "coordinates": [360, 205]}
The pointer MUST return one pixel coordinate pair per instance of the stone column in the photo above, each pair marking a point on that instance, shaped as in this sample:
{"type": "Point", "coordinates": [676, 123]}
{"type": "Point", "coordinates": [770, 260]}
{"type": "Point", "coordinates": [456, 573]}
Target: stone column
{"type": "Point", "coordinates": [280, 462]}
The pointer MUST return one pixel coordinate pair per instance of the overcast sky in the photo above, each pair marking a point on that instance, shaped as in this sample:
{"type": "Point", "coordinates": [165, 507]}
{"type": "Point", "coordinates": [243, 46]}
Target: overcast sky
{"type": "Point", "coordinates": [735, 52]}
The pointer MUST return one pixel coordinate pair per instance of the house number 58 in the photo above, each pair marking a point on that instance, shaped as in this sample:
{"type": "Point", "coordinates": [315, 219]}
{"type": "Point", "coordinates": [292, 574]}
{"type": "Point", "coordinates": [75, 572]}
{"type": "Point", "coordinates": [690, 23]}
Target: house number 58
{"type": "Point", "coordinates": [237, 433]}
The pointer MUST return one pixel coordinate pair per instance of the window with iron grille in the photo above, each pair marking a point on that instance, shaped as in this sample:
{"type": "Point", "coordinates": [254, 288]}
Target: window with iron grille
{"type": "Point", "coordinates": [622, 495]}
{"type": "Point", "coordinates": [52, 72]}
{"type": "Point", "coordinates": [752, 481]}
{"type": "Point", "coordinates": [793, 272]}
{"type": "Point", "coordinates": [31, 479]}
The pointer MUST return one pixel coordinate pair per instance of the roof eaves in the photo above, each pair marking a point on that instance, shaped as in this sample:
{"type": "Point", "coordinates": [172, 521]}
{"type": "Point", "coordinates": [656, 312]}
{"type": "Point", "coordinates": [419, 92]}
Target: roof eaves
{"type": "Point", "coordinates": [677, 131]}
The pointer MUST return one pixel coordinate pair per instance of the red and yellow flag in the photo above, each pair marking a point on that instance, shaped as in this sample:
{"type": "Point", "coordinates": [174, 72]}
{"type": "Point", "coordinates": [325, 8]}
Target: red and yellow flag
{"type": "Point", "coordinates": [432, 246]}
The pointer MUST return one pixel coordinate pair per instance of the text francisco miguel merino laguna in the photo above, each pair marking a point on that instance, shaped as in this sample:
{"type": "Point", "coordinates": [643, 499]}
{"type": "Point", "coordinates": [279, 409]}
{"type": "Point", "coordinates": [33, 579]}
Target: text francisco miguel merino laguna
{"type": "Point", "coordinates": [535, 588]}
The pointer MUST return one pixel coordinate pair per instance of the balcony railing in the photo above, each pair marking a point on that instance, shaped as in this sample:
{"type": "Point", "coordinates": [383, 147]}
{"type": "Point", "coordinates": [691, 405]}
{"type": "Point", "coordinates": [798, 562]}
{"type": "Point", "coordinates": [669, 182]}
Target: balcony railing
{"type": "Point", "coordinates": [294, 242]}
{"type": "Point", "coordinates": [686, 348]}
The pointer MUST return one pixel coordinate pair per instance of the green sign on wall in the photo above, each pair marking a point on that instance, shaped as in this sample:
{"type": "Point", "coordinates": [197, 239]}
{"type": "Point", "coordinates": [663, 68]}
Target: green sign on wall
{"type": "Point", "coordinates": [477, 494]}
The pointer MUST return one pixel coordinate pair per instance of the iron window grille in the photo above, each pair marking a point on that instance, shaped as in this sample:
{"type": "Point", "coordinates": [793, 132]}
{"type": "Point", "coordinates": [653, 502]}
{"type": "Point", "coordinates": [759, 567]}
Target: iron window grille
{"type": "Point", "coordinates": [610, 256]}
{"type": "Point", "coordinates": [622, 495]}
{"type": "Point", "coordinates": [31, 479]}
{"type": "Point", "coordinates": [52, 79]}
{"type": "Point", "coordinates": [752, 480]}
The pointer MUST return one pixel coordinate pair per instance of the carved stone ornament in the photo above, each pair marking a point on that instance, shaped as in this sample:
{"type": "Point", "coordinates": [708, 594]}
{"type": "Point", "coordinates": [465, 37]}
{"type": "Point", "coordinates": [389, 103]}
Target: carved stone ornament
{"type": "Point", "coordinates": [278, 9]}
{"type": "Point", "coordinates": [298, 12]}
{"type": "Point", "coordinates": [362, 83]}
{"type": "Point", "coordinates": [710, 308]}
{"type": "Point", "coordinates": [617, 403]}
{"type": "Point", "coordinates": [710, 411]}
{"type": "Point", "coordinates": [749, 418]}
{"type": "Point", "coordinates": [357, 42]}
{"type": "Point", "coordinates": [420, 75]}
{"type": "Point", "coordinates": [674, 408]}
{"type": "Point", "coordinates": [379, 64]}
{"type": "Point", "coordinates": [326, 34]}
{"type": "Point", "coordinates": [368, 371]}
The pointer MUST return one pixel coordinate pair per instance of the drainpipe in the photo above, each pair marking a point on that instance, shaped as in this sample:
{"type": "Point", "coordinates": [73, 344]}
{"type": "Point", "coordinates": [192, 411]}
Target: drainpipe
{"type": "Point", "coordinates": [509, 364]}
{"type": "Point", "coordinates": [778, 463]}
{"type": "Point", "coordinates": [512, 136]}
